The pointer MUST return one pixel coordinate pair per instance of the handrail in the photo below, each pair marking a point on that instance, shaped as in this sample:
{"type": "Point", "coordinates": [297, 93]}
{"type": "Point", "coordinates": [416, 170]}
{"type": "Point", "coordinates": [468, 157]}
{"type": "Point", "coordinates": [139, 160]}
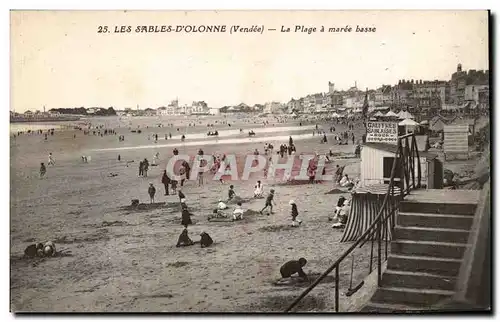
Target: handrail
{"type": "Point", "coordinates": [376, 223]}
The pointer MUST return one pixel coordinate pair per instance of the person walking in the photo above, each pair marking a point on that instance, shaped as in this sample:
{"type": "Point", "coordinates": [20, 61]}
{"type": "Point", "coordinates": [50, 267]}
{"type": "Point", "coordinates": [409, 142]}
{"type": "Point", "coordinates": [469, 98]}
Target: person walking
{"type": "Point", "coordinates": [269, 202]}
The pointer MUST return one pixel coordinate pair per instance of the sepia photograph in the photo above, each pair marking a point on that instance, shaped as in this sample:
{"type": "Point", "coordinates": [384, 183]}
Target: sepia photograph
{"type": "Point", "coordinates": [258, 161]}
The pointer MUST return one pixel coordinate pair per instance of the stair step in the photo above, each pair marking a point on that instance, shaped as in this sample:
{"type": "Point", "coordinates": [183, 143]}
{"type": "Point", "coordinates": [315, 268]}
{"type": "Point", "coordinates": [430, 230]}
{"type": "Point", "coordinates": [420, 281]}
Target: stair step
{"type": "Point", "coordinates": [417, 280]}
{"type": "Point", "coordinates": [464, 209]}
{"type": "Point", "coordinates": [417, 219]}
{"type": "Point", "coordinates": [428, 248]}
{"type": "Point", "coordinates": [390, 308]}
{"type": "Point", "coordinates": [402, 295]}
{"type": "Point", "coordinates": [445, 266]}
{"type": "Point", "coordinates": [431, 234]}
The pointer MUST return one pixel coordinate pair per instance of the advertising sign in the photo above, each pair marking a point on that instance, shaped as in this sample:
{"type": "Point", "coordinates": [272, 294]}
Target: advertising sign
{"type": "Point", "coordinates": [382, 132]}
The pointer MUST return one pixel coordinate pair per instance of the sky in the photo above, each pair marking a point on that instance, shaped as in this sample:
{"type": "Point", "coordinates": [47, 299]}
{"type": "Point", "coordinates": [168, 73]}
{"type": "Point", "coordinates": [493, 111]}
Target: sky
{"type": "Point", "coordinates": [59, 60]}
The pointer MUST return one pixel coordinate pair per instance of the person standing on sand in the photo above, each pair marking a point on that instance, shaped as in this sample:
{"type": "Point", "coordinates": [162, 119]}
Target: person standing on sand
{"type": "Point", "coordinates": [166, 182]}
{"type": "Point", "coordinates": [203, 163]}
{"type": "Point", "coordinates": [231, 194]}
{"type": "Point", "coordinates": [146, 167]}
{"type": "Point", "coordinates": [141, 169]}
{"type": "Point", "coordinates": [295, 213]}
{"type": "Point", "coordinates": [43, 170]}
{"type": "Point", "coordinates": [269, 202]}
{"type": "Point", "coordinates": [151, 192]}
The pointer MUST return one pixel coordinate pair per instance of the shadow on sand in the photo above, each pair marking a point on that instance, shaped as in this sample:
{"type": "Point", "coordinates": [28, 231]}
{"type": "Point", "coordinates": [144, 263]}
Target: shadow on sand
{"type": "Point", "coordinates": [278, 303]}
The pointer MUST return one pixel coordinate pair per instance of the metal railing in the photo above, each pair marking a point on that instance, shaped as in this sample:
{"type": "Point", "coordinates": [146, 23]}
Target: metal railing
{"type": "Point", "coordinates": [404, 167]}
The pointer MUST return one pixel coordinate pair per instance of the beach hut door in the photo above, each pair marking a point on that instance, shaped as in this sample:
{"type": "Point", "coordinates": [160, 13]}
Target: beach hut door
{"type": "Point", "coordinates": [388, 161]}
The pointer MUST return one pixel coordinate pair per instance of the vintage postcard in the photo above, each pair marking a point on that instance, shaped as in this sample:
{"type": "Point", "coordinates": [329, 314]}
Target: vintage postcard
{"type": "Point", "coordinates": [250, 161]}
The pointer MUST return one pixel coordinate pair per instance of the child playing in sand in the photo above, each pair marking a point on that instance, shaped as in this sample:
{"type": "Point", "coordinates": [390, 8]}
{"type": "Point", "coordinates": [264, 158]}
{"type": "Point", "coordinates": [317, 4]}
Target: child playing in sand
{"type": "Point", "coordinates": [221, 205]}
{"type": "Point", "coordinates": [217, 213]}
{"type": "Point", "coordinates": [238, 212]}
{"type": "Point", "coordinates": [345, 182]}
{"type": "Point", "coordinates": [294, 267]}
{"type": "Point", "coordinates": [295, 213]}
{"type": "Point", "coordinates": [184, 239]}
{"type": "Point", "coordinates": [257, 193]}
{"type": "Point", "coordinates": [151, 192]}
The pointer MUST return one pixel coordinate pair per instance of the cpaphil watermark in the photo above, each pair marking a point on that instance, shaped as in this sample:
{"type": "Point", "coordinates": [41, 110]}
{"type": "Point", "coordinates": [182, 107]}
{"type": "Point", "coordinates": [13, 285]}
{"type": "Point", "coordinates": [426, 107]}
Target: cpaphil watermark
{"type": "Point", "coordinates": [243, 167]}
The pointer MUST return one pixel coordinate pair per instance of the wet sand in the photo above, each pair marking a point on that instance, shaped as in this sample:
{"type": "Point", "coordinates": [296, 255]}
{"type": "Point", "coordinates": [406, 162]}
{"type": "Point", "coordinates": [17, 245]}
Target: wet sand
{"type": "Point", "coordinates": [126, 261]}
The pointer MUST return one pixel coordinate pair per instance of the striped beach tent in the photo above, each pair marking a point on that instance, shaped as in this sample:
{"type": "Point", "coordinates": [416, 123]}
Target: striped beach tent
{"type": "Point", "coordinates": [365, 205]}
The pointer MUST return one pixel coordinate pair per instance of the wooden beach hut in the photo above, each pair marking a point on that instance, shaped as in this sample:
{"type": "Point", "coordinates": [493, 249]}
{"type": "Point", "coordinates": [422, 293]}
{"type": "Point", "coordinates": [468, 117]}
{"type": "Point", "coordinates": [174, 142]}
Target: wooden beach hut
{"type": "Point", "coordinates": [377, 160]}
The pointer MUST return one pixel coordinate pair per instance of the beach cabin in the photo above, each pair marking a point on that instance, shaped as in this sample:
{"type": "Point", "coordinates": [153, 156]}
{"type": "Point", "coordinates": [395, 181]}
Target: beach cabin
{"type": "Point", "coordinates": [377, 160]}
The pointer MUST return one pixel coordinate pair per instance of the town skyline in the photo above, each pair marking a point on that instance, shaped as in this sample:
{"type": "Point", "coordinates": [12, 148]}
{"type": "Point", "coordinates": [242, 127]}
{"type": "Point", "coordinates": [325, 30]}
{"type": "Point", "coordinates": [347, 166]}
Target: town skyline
{"type": "Point", "coordinates": [180, 103]}
{"type": "Point", "coordinates": [68, 65]}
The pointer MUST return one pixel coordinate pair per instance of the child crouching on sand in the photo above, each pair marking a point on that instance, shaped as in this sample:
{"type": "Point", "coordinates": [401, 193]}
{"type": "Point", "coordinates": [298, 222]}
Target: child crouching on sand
{"type": "Point", "coordinates": [238, 212]}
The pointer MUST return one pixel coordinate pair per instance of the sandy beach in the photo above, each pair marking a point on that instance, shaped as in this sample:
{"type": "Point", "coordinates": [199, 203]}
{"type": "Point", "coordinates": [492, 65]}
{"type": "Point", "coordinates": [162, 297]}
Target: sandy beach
{"type": "Point", "coordinates": [121, 260]}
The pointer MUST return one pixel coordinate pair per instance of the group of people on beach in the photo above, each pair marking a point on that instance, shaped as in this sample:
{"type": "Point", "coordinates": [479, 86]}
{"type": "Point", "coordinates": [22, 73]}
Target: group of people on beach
{"type": "Point", "coordinates": [237, 213]}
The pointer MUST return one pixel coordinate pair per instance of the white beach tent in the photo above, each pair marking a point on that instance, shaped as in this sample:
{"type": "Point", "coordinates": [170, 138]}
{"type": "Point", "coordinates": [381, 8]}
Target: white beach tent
{"type": "Point", "coordinates": [407, 122]}
{"type": "Point", "coordinates": [378, 114]}
{"type": "Point", "coordinates": [405, 115]}
{"type": "Point", "coordinates": [335, 114]}
{"type": "Point", "coordinates": [391, 114]}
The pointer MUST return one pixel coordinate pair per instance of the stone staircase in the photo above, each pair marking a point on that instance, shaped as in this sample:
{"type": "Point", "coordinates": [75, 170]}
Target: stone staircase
{"type": "Point", "coordinates": [428, 245]}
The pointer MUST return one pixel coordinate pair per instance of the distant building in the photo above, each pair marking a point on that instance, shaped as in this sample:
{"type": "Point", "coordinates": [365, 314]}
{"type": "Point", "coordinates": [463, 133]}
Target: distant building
{"type": "Point", "coordinates": [383, 96]}
{"type": "Point", "coordinates": [458, 83]}
{"type": "Point", "coordinates": [353, 97]}
{"type": "Point", "coordinates": [258, 107]}
{"type": "Point", "coordinates": [477, 94]}
{"type": "Point", "coordinates": [214, 111]}
{"type": "Point", "coordinates": [294, 106]}
{"type": "Point", "coordinates": [402, 94]}
{"type": "Point", "coordinates": [149, 112]}
{"type": "Point", "coordinates": [429, 96]}
{"type": "Point", "coordinates": [272, 107]}
{"type": "Point", "coordinates": [172, 108]}
{"type": "Point", "coordinates": [199, 108]}
{"type": "Point", "coordinates": [162, 110]}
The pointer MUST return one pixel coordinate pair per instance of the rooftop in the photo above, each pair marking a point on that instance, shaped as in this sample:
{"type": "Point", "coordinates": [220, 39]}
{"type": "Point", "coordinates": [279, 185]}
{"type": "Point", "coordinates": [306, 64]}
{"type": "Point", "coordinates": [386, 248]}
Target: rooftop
{"type": "Point", "coordinates": [392, 148]}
